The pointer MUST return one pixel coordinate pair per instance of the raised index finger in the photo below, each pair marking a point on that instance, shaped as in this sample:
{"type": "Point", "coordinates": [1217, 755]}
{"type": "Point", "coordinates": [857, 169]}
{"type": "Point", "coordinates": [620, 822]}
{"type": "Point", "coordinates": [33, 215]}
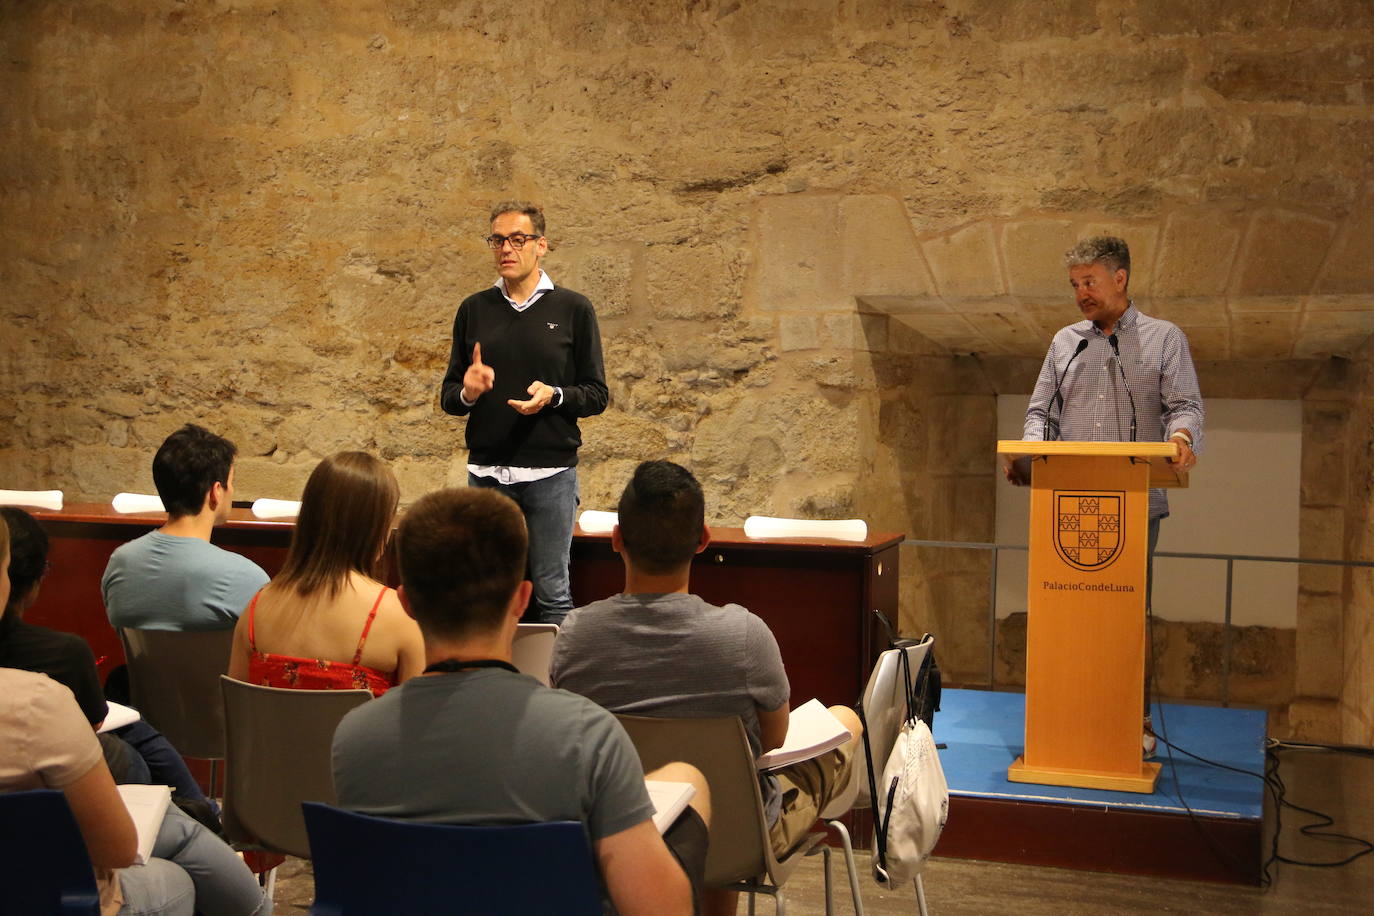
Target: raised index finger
{"type": "Point", "coordinates": [477, 354]}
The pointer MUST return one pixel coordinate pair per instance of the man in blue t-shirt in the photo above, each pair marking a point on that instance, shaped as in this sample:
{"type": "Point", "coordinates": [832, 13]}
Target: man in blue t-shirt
{"type": "Point", "coordinates": [174, 578]}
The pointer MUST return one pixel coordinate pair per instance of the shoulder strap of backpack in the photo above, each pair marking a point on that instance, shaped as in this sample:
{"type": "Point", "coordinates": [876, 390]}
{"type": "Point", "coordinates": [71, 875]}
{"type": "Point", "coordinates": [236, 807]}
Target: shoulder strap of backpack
{"type": "Point", "coordinates": [880, 831]}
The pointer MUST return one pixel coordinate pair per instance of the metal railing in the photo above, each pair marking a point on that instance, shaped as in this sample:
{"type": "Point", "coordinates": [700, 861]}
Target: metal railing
{"type": "Point", "coordinates": [1231, 560]}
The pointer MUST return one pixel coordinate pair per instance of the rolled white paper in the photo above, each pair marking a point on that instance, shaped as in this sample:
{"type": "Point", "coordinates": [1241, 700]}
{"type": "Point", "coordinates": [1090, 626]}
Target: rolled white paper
{"type": "Point", "coordinates": [847, 529]}
{"type": "Point", "coordinates": [127, 503]}
{"type": "Point", "coordinates": [39, 499]}
{"type": "Point", "coordinates": [276, 508]}
{"type": "Point", "coordinates": [594, 522]}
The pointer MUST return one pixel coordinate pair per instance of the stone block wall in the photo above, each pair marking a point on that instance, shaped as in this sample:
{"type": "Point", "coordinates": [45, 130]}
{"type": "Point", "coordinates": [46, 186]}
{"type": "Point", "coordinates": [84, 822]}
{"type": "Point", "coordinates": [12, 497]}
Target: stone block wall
{"type": "Point", "coordinates": [821, 236]}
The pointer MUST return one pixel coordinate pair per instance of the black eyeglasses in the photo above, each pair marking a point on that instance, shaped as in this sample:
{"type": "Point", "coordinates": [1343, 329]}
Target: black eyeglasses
{"type": "Point", "coordinates": [517, 240]}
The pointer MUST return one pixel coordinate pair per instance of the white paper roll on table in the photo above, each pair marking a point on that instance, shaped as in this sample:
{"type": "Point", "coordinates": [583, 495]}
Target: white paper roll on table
{"type": "Point", "coordinates": [38, 499]}
{"type": "Point", "coordinates": [276, 508]}
{"type": "Point", "coordinates": [132, 503]}
{"type": "Point", "coordinates": [595, 522]}
{"type": "Point", "coordinates": [846, 529]}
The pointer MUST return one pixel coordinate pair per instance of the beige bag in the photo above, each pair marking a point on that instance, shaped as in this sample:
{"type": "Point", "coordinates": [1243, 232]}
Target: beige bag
{"type": "Point", "coordinates": [912, 807]}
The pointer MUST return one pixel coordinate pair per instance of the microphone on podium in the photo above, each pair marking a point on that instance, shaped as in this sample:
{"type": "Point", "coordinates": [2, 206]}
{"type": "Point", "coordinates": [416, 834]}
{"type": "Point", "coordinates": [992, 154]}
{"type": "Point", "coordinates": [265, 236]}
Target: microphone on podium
{"type": "Point", "coordinates": [1058, 383]}
{"type": "Point", "coordinates": [1116, 349]}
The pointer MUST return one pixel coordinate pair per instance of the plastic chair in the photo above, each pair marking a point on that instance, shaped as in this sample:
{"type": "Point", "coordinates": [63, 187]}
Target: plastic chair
{"type": "Point", "coordinates": [277, 750]}
{"type": "Point", "coordinates": [884, 706]}
{"type": "Point", "coordinates": [44, 867]}
{"type": "Point", "coordinates": [740, 856]}
{"type": "Point", "coordinates": [366, 864]}
{"type": "Point", "coordinates": [174, 683]}
{"type": "Point", "coordinates": [532, 650]}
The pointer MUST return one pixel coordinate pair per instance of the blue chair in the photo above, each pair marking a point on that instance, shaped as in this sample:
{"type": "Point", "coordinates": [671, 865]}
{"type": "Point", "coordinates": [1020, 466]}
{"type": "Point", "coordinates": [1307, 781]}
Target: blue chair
{"type": "Point", "coordinates": [44, 867]}
{"type": "Point", "coordinates": [366, 864]}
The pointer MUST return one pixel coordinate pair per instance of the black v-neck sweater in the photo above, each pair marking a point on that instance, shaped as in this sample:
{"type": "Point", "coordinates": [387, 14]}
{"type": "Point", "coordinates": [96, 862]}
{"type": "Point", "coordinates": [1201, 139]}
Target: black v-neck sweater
{"type": "Point", "coordinates": [556, 341]}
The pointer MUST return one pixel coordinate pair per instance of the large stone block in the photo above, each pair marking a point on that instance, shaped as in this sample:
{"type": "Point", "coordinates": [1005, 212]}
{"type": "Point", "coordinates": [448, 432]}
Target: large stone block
{"type": "Point", "coordinates": [1033, 252]}
{"type": "Point", "coordinates": [604, 273]}
{"type": "Point", "coordinates": [1276, 379]}
{"type": "Point", "coordinates": [1022, 20]}
{"type": "Point", "coordinates": [1309, 75]}
{"type": "Point", "coordinates": [1324, 455]}
{"type": "Point", "coordinates": [1264, 335]}
{"type": "Point", "coordinates": [953, 333]}
{"type": "Point", "coordinates": [1314, 719]}
{"type": "Point", "coordinates": [1319, 645]}
{"type": "Point", "coordinates": [799, 332]}
{"type": "Point", "coordinates": [1070, 77]}
{"type": "Point", "coordinates": [1151, 18]}
{"type": "Point", "coordinates": [1326, 331]}
{"type": "Point", "coordinates": [881, 257]}
{"type": "Point", "coordinates": [1350, 269]}
{"type": "Point", "coordinates": [1173, 143]}
{"type": "Point", "coordinates": [854, 331]}
{"type": "Point", "coordinates": [1321, 532]}
{"type": "Point", "coordinates": [796, 263]}
{"type": "Point", "coordinates": [1281, 254]}
{"type": "Point", "coordinates": [699, 282]}
{"type": "Point", "coordinates": [965, 263]}
{"type": "Point", "coordinates": [1196, 250]}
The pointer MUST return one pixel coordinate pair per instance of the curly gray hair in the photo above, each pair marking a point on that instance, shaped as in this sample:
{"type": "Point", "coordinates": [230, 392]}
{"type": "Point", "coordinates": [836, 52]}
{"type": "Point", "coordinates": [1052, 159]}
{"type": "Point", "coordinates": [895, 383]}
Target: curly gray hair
{"type": "Point", "coordinates": [1105, 249]}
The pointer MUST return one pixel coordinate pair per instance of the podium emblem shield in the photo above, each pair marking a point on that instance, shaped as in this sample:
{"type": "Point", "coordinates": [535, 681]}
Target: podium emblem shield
{"type": "Point", "coordinates": [1088, 527]}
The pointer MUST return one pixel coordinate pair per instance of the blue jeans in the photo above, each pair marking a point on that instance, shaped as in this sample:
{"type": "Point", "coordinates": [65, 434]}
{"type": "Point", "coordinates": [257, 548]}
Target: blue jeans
{"type": "Point", "coordinates": [164, 764]}
{"type": "Point", "coordinates": [192, 871]}
{"type": "Point", "coordinates": [550, 507]}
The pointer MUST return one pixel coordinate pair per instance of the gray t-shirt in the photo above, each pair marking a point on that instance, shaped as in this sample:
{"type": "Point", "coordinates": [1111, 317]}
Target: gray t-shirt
{"type": "Point", "coordinates": [674, 656]}
{"type": "Point", "coordinates": [488, 746]}
{"type": "Point", "coordinates": [167, 582]}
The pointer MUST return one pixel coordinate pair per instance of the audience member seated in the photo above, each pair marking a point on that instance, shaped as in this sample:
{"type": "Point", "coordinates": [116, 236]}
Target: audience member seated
{"type": "Point", "coordinates": [325, 622]}
{"type": "Point", "coordinates": [134, 753]}
{"type": "Point", "coordinates": [174, 578]}
{"type": "Point", "coordinates": [657, 650]}
{"type": "Point", "coordinates": [474, 741]}
{"type": "Point", "coordinates": [192, 869]}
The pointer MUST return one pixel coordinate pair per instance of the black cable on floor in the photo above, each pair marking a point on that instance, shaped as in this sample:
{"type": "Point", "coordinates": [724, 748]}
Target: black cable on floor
{"type": "Point", "coordinates": [1314, 830]}
{"type": "Point", "coordinates": [1273, 783]}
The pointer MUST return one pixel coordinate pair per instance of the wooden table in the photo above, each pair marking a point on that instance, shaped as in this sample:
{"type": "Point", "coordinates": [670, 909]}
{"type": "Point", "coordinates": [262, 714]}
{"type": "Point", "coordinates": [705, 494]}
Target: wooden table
{"type": "Point", "coordinates": [816, 594]}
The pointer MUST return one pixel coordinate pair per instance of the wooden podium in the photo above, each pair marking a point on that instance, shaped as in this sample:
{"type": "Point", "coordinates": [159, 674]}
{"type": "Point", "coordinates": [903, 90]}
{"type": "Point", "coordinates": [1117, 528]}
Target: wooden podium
{"type": "Point", "coordinates": [1085, 627]}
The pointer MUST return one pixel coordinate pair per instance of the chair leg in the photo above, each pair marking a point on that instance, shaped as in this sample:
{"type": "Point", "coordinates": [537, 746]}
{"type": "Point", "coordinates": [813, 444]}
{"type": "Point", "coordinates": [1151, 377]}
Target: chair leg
{"type": "Point", "coordinates": [920, 896]}
{"type": "Point", "coordinates": [752, 897]}
{"type": "Point", "coordinates": [269, 885]}
{"type": "Point", "coordinates": [779, 904]}
{"type": "Point", "coordinates": [851, 868]}
{"type": "Point", "coordinates": [829, 891]}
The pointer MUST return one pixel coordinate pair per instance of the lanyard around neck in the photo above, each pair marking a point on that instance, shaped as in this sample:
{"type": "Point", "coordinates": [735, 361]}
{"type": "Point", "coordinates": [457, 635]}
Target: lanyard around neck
{"type": "Point", "coordinates": [453, 665]}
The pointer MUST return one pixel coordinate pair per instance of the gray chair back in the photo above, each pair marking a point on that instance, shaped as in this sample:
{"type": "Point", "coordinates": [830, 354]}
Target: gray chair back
{"type": "Point", "coordinates": [174, 684]}
{"type": "Point", "coordinates": [277, 755]}
{"type": "Point", "coordinates": [739, 848]}
{"type": "Point", "coordinates": [532, 650]}
{"type": "Point", "coordinates": [884, 704]}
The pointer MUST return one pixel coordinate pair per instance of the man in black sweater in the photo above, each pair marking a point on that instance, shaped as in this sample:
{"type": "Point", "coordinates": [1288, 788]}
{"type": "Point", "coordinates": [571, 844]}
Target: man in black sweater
{"type": "Point", "coordinates": [525, 365]}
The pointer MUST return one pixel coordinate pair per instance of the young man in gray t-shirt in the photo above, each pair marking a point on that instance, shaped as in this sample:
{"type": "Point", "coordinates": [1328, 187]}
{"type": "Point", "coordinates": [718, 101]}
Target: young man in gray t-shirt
{"type": "Point", "coordinates": [473, 741]}
{"type": "Point", "coordinates": [657, 650]}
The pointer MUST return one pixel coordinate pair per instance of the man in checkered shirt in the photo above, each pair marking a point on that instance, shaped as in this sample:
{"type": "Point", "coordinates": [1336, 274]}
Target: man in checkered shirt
{"type": "Point", "coordinates": [1093, 404]}
{"type": "Point", "coordinates": [1091, 363]}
